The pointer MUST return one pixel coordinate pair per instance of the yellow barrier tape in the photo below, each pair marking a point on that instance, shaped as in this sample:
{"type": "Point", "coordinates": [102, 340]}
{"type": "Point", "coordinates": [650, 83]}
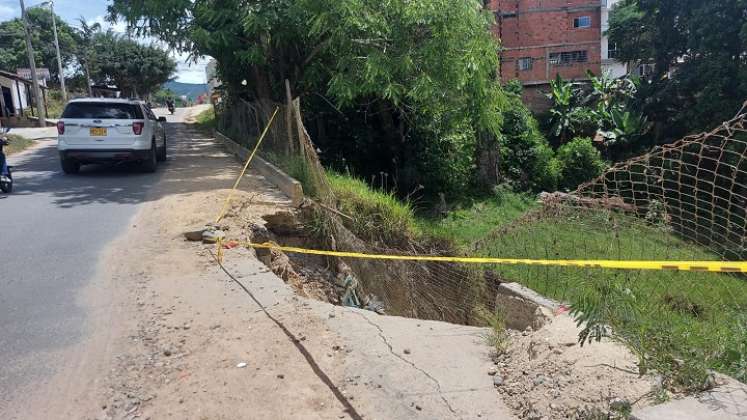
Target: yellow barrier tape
{"type": "Point", "coordinates": [224, 210]}
{"type": "Point", "coordinates": [710, 266]}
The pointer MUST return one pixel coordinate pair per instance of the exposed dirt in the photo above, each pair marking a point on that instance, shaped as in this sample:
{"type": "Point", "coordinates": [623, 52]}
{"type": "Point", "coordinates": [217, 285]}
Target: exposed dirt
{"type": "Point", "coordinates": [546, 374]}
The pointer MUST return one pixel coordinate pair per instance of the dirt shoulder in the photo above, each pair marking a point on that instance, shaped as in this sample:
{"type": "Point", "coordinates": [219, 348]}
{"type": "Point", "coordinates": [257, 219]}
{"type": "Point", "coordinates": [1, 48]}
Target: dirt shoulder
{"type": "Point", "coordinates": [174, 337]}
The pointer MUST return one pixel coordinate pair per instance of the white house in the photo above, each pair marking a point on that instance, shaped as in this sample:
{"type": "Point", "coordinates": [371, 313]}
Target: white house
{"type": "Point", "coordinates": [16, 97]}
{"type": "Point", "coordinates": [610, 65]}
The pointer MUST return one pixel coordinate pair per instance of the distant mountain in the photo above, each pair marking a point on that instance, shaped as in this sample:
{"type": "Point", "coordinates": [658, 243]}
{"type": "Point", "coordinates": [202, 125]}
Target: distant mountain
{"type": "Point", "coordinates": [191, 90]}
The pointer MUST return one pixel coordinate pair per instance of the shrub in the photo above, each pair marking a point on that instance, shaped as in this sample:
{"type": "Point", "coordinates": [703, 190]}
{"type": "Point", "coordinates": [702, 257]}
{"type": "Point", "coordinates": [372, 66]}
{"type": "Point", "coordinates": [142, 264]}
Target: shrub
{"type": "Point", "coordinates": [447, 165]}
{"type": "Point", "coordinates": [526, 156]}
{"type": "Point", "coordinates": [579, 161]}
{"type": "Point", "coordinates": [376, 215]}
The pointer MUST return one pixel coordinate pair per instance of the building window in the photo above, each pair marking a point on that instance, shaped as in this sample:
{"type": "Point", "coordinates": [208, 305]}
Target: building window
{"type": "Point", "coordinates": [612, 50]}
{"type": "Point", "coordinates": [525, 63]}
{"type": "Point", "coordinates": [568, 58]}
{"type": "Point", "coordinates": [644, 70]}
{"type": "Point", "coordinates": [582, 22]}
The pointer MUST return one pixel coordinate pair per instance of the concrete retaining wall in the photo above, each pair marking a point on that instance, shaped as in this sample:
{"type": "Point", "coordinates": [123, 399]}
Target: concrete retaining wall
{"type": "Point", "coordinates": [523, 306]}
{"type": "Point", "coordinates": [272, 173]}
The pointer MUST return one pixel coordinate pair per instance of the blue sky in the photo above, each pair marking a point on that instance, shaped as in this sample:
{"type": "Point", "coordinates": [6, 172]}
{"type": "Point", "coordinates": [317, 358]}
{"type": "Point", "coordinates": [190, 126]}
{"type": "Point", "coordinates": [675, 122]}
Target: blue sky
{"type": "Point", "coordinates": [94, 11]}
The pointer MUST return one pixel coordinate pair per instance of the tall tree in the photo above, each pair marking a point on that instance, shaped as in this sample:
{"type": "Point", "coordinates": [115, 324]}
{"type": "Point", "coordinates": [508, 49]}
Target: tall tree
{"type": "Point", "coordinates": [136, 69]}
{"type": "Point", "coordinates": [86, 51]}
{"type": "Point", "coordinates": [424, 70]}
{"type": "Point", "coordinates": [699, 52]}
{"type": "Point", "coordinates": [13, 52]}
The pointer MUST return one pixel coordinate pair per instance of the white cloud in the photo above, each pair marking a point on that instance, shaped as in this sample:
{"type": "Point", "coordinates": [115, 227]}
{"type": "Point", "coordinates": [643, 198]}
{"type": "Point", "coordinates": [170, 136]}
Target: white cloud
{"type": "Point", "coordinates": [119, 27]}
{"type": "Point", "coordinates": [8, 12]}
{"type": "Point", "coordinates": [189, 71]}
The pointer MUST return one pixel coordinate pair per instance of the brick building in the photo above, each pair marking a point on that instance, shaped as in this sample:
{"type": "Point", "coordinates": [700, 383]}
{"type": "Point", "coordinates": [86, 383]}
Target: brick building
{"type": "Point", "coordinates": [543, 38]}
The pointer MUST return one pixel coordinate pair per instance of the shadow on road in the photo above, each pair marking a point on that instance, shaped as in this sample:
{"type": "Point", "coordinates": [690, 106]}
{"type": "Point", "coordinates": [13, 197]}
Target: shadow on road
{"type": "Point", "coordinates": [192, 155]}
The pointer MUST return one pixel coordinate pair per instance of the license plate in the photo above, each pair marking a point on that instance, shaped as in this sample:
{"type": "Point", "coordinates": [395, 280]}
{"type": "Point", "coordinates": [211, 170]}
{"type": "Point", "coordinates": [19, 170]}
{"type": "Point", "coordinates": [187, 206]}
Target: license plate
{"type": "Point", "coordinates": [98, 131]}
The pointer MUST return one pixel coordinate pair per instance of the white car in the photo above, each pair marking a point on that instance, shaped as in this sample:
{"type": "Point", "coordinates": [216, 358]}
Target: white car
{"type": "Point", "coordinates": [95, 130]}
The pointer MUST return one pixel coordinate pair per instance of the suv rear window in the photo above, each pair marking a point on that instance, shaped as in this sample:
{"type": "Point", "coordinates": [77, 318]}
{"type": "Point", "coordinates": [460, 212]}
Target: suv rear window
{"type": "Point", "coordinates": [103, 111]}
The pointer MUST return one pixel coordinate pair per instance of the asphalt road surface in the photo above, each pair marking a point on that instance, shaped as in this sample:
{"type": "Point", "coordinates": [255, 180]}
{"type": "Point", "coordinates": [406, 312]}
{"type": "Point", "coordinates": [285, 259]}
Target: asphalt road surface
{"type": "Point", "coordinates": [52, 230]}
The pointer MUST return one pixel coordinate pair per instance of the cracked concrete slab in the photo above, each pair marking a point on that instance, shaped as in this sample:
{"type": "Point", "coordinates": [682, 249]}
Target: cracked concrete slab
{"type": "Point", "coordinates": [726, 402]}
{"type": "Point", "coordinates": [392, 367]}
{"type": "Point", "coordinates": [418, 369]}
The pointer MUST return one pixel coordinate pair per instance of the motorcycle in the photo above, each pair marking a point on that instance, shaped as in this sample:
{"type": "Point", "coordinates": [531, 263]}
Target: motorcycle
{"type": "Point", "coordinates": [171, 108]}
{"type": "Point", "coordinates": [6, 176]}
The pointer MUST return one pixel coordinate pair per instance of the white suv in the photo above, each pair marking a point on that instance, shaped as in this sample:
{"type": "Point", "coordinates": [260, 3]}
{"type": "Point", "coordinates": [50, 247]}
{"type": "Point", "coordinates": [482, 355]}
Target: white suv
{"type": "Point", "coordinates": [110, 130]}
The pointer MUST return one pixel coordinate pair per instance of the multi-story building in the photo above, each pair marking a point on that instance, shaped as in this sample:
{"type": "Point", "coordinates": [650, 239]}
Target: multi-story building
{"type": "Point", "coordinates": [543, 38]}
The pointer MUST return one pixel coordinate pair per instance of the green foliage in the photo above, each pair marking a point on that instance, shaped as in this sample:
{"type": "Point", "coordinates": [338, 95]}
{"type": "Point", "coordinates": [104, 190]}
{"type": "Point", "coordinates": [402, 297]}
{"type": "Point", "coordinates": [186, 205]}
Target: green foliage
{"type": "Point", "coordinates": [206, 119]}
{"type": "Point", "coordinates": [630, 32]}
{"type": "Point", "coordinates": [699, 52]}
{"type": "Point", "coordinates": [297, 168]}
{"type": "Point", "coordinates": [498, 337]}
{"type": "Point", "coordinates": [526, 156]}
{"type": "Point", "coordinates": [162, 95]}
{"type": "Point", "coordinates": [464, 226]}
{"type": "Point", "coordinates": [136, 69]}
{"type": "Point", "coordinates": [564, 101]}
{"type": "Point", "coordinates": [579, 162]}
{"type": "Point", "coordinates": [55, 105]}
{"type": "Point", "coordinates": [423, 73]}
{"type": "Point", "coordinates": [376, 215]}
{"type": "Point", "coordinates": [605, 109]}
{"type": "Point", "coordinates": [635, 307]}
{"type": "Point", "coordinates": [627, 128]}
{"type": "Point", "coordinates": [17, 144]}
{"type": "Point", "coordinates": [13, 52]}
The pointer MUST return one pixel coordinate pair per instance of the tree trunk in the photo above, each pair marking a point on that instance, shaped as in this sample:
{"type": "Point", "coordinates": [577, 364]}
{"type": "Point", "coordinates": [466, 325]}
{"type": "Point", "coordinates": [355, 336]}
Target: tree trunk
{"type": "Point", "coordinates": [488, 161]}
{"type": "Point", "coordinates": [88, 81]}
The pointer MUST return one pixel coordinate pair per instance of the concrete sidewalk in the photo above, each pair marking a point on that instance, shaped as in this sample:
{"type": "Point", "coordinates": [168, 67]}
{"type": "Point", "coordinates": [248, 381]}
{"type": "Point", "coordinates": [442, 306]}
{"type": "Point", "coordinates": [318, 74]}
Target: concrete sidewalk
{"type": "Point", "coordinates": [36, 133]}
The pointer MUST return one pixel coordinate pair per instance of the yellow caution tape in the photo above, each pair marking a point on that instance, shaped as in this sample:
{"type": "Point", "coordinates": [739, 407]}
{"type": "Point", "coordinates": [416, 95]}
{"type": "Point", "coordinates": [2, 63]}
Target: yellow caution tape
{"type": "Point", "coordinates": [710, 266]}
{"type": "Point", "coordinates": [224, 209]}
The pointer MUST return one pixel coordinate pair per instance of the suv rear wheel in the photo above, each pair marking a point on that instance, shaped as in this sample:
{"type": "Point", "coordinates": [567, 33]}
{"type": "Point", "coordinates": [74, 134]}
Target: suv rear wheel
{"type": "Point", "coordinates": [150, 163]}
{"type": "Point", "coordinates": [70, 166]}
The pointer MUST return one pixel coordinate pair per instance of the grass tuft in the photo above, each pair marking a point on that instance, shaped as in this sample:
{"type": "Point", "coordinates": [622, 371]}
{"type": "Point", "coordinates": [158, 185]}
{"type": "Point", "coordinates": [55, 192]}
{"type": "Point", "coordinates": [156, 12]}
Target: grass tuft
{"type": "Point", "coordinates": [17, 144]}
{"type": "Point", "coordinates": [497, 338]}
{"type": "Point", "coordinates": [377, 215]}
{"type": "Point", "coordinates": [206, 119]}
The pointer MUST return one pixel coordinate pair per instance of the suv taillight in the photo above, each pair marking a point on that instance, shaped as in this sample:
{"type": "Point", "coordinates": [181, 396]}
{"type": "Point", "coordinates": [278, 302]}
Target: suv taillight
{"type": "Point", "coordinates": [60, 127]}
{"type": "Point", "coordinates": [137, 127]}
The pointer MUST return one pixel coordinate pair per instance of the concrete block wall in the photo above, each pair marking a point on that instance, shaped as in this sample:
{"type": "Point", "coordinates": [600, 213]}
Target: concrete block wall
{"type": "Point", "coordinates": [274, 175]}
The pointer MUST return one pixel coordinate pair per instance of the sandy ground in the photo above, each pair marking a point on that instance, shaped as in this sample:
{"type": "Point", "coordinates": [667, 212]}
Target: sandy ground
{"type": "Point", "coordinates": [173, 336]}
{"type": "Point", "coordinates": [546, 374]}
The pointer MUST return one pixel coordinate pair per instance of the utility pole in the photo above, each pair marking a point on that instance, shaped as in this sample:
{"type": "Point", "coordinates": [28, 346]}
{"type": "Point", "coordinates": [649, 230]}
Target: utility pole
{"type": "Point", "coordinates": [57, 46]}
{"type": "Point", "coordinates": [34, 80]}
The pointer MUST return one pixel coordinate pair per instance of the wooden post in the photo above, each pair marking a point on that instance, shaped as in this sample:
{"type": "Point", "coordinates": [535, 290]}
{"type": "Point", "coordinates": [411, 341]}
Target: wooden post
{"type": "Point", "coordinates": [20, 99]}
{"type": "Point", "coordinates": [31, 103]}
{"type": "Point", "coordinates": [3, 108]}
{"type": "Point", "coordinates": [289, 117]}
{"type": "Point", "coordinates": [44, 98]}
{"type": "Point", "coordinates": [299, 123]}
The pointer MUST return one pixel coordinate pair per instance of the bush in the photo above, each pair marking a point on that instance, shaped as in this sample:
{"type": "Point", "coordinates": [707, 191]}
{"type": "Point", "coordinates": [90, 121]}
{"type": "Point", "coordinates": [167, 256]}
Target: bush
{"type": "Point", "coordinates": [578, 161]}
{"type": "Point", "coordinates": [376, 215]}
{"type": "Point", "coordinates": [447, 165]}
{"type": "Point", "coordinates": [526, 156]}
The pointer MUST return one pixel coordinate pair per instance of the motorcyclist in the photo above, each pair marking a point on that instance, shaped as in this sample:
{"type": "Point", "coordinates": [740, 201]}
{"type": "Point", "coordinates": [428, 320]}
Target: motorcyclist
{"type": "Point", "coordinates": [3, 142]}
{"type": "Point", "coordinates": [170, 105]}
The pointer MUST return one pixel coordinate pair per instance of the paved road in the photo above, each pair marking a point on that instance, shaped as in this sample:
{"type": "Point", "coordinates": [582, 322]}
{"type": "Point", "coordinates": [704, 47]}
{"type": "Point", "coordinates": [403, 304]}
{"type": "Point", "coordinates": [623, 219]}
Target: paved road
{"type": "Point", "coordinates": [52, 230]}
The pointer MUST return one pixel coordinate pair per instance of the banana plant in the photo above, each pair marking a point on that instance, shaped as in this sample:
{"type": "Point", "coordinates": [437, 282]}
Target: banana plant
{"type": "Point", "coordinates": [563, 96]}
{"type": "Point", "coordinates": [627, 127]}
